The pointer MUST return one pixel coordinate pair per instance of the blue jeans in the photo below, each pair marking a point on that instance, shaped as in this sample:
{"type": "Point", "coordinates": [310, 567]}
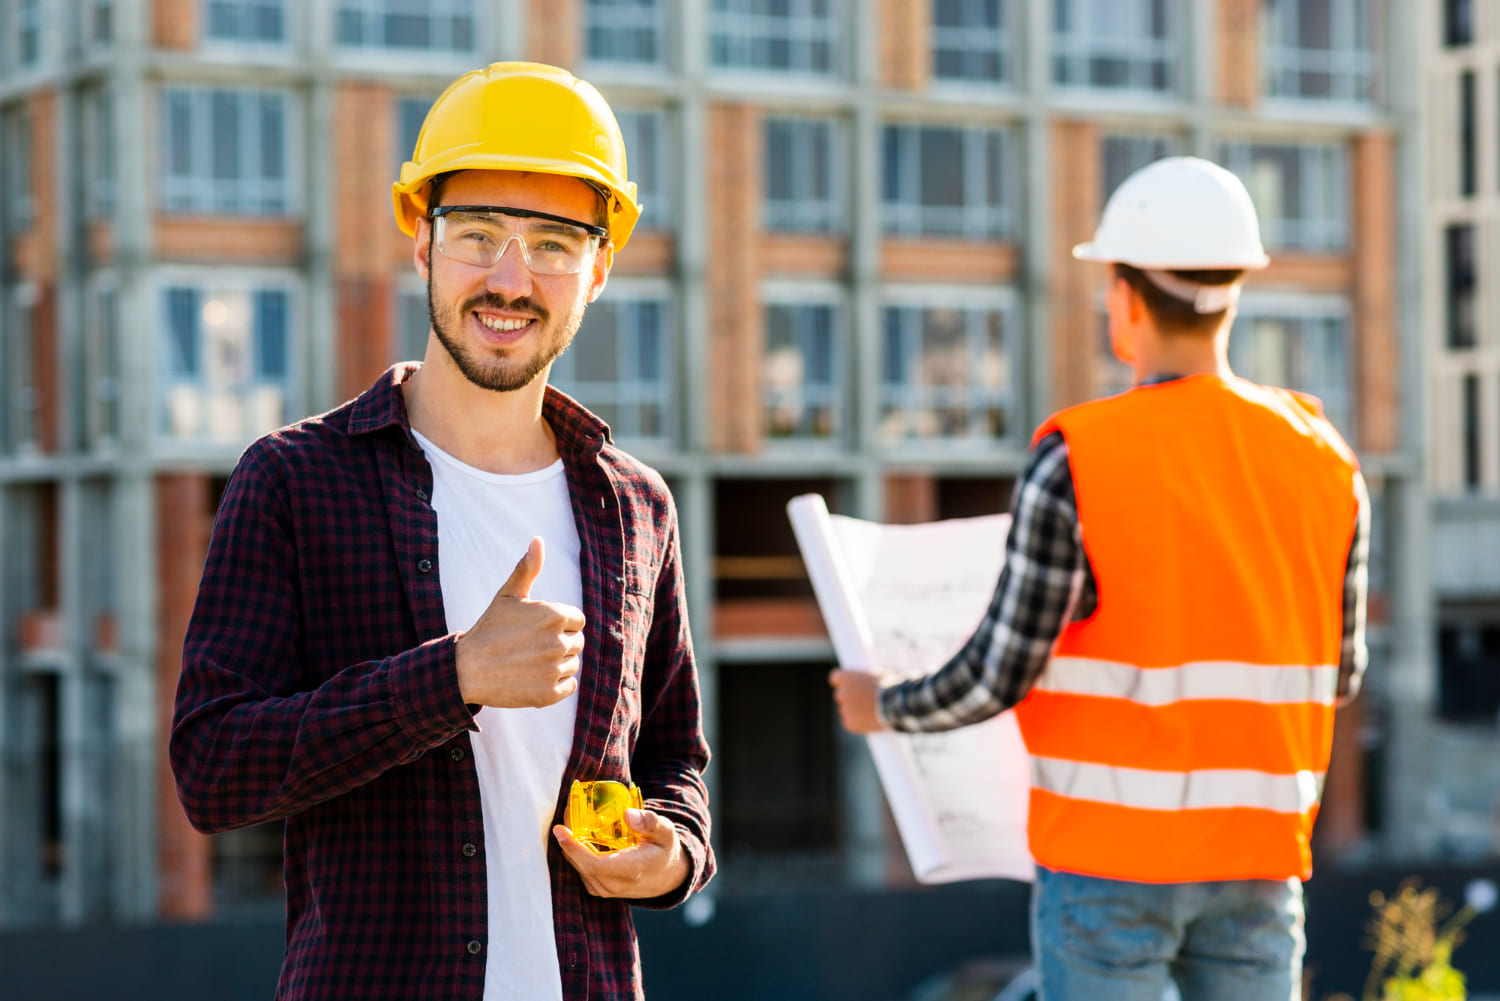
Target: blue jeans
{"type": "Point", "coordinates": [1236, 940]}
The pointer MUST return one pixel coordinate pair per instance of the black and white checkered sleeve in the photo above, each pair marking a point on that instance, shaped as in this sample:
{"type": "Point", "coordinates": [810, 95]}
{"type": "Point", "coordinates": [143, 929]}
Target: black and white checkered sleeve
{"type": "Point", "coordinates": [1045, 580]}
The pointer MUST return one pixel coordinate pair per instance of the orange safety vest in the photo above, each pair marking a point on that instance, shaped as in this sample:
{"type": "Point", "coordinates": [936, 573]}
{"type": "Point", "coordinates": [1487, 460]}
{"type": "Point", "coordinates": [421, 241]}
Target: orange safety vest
{"type": "Point", "coordinates": [1182, 731]}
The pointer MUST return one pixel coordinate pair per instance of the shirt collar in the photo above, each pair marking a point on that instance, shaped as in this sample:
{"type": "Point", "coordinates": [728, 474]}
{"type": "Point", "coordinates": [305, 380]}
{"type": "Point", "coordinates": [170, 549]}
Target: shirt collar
{"type": "Point", "coordinates": [383, 406]}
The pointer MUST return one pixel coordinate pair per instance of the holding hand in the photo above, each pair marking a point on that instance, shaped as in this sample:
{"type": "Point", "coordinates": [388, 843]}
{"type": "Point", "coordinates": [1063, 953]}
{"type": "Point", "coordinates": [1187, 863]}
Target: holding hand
{"type": "Point", "coordinates": [521, 652]}
{"type": "Point", "coordinates": [857, 693]}
{"type": "Point", "coordinates": [654, 865]}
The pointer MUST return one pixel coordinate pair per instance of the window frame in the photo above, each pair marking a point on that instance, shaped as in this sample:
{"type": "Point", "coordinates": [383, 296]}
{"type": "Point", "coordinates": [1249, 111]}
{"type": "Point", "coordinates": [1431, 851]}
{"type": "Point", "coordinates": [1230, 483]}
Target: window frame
{"type": "Point", "coordinates": [205, 281]}
{"type": "Point", "coordinates": [1300, 233]}
{"type": "Point", "coordinates": [1301, 309]}
{"type": "Point", "coordinates": [619, 18]}
{"type": "Point", "coordinates": [19, 211]}
{"type": "Point", "coordinates": [1354, 73]}
{"type": "Point", "coordinates": [383, 53]}
{"type": "Point", "coordinates": [655, 193]}
{"type": "Point", "coordinates": [1143, 148]}
{"type": "Point", "coordinates": [623, 391]}
{"type": "Point", "coordinates": [101, 403]}
{"type": "Point", "coordinates": [1002, 301]}
{"type": "Point", "coordinates": [245, 10]}
{"type": "Point", "coordinates": [907, 217]}
{"type": "Point", "coordinates": [21, 397]}
{"type": "Point", "coordinates": [248, 192]}
{"type": "Point", "coordinates": [740, 30]}
{"type": "Point", "coordinates": [810, 294]}
{"type": "Point", "coordinates": [1088, 40]}
{"type": "Point", "coordinates": [97, 113]}
{"type": "Point", "coordinates": [970, 43]}
{"type": "Point", "coordinates": [807, 214]}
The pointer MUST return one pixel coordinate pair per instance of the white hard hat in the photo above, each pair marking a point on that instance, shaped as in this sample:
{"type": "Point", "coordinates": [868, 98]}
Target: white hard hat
{"type": "Point", "coordinates": [1181, 214]}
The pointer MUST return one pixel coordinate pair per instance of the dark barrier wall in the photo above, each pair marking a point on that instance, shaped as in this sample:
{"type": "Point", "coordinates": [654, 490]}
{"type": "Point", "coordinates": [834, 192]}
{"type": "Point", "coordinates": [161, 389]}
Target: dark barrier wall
{"type": "Point", "coordinates": [813, 946]}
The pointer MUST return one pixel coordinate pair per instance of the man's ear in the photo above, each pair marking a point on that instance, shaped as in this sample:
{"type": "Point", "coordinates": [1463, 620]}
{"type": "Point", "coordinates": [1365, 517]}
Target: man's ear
{"type": "Point", "coordinates": [1121, 329]}
{"type": "Point", "coordinates": [604, 259]}
{"type": "Point", "coordinates": [421, 253]}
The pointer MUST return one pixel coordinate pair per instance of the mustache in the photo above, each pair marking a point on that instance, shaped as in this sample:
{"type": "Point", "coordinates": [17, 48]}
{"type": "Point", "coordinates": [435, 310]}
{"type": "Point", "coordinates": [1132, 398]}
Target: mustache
{"type": "Point", "coordinates": [489, 300]}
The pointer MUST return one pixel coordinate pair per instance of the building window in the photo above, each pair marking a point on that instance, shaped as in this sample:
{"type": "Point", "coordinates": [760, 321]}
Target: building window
{"type": "Point", "coordinates": [226, 152]}
{"type": "Point", "coordinates": [946, 371]}
{"type": "Point", "coordinates": [971, 40]}
{"type": "Point", "coordinates": [1125, 154]}
{"type": "Point", "coordinates": [1462, 286]}
{"type": "Point", "coordinates": [16, 205]}
{"type": "Point", "coordinates": [99, 153]}
{"type": "Point", "coordinates": [941, 181]}
{"type": "Point", "coordinates": [411, 113]}
{"type": "Point", "coordinates": [99, 23]}
{"type": "Point", "coordinates": [795, 36]}
{"type": "Point", "coordinates": [29, 24]}
{"type": "Point", "coordinates": [648, 155]}
{"type": "Point", "coordinates": [421, 25]}
{"type": "Point", "coordinates": [101, 367]}
{"type": "Point", "coordinates": [1114, 44]}
{"type": "Point", "coordinates": [780, 778]}
{"type": "Point", "coordinates": [413, 319]}
{"type": "Point", "coordinates": [1300, 190]}
{"type": "Point", "coordinates": [1297, 342]}
{"type": "Point", "coordinates": [628, 32]}
{"type": "Point", "coordinates": [245, 20]}
{"type": "Point", "coordinates": [620, 365]}
{"type": "Point", "coordinates": [1467, 151]}
{"type": "Point", "coordinates": [801, 394]}
{"type": "Point", "coordinates": [1473, 463]}
{"type": "Point", "coordinates": [1458, 22]}
{"type": "Point", "coordinates": [20, 389]}
{"type": "Point", "coordinates": [226, 361]}
{"type": "Point", "coordinates": [804, 163]}
{"type": "Point", "coordinates": [1469, 672]}
{"type": "Point", "coordinates": [1319, 50]}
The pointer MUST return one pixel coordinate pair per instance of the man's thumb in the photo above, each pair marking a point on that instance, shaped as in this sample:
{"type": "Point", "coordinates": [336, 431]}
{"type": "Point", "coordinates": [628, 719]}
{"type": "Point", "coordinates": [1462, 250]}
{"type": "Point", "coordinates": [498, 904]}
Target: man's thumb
{"type": "Point", "coordinates": [518, 584]}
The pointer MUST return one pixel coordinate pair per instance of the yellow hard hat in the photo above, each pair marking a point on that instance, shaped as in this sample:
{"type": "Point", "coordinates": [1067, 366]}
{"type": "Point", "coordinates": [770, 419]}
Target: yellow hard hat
{"type": "Point", "coordinates": [520, 116]}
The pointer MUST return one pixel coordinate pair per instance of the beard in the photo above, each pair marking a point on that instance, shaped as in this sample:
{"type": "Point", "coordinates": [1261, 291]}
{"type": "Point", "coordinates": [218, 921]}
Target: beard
{"type": "Point", "coordinates": [498, 373]}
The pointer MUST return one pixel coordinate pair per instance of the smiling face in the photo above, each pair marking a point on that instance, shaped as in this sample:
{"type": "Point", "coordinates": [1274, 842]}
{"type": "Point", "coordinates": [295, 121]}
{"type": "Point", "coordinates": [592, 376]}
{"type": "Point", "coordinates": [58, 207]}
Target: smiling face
{"type": "Point", "coordinates": [503, 326]}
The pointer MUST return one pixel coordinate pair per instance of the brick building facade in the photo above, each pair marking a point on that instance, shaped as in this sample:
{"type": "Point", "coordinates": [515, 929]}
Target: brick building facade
{"type": "Point", "coordinates": [853, 277]}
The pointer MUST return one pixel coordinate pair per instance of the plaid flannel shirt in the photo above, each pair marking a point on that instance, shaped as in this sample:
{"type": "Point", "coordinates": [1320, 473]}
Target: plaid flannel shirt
{"type": "Point", "coordinates": [319, 687]}
{"type": "Point", "coordinates": [1047, 583]}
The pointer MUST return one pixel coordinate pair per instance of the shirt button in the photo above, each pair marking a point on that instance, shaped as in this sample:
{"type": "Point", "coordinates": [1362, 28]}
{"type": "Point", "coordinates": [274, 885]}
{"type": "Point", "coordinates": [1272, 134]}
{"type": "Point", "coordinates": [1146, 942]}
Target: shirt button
{"type": "Point", "coordinates": [470, 850]}
{"type": "Point", "coordinates": [474, 947]}
{"type": "Point", "coordinates": [421, 495]}
{"type": "Point", "coordinates": [456, 753]}
{"type": "Point", "coordinates": [425, 566]}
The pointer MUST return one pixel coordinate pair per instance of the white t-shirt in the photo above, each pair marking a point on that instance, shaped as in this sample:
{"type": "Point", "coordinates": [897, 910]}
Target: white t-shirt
{"type": "Point", "coordinates": [485, 521]}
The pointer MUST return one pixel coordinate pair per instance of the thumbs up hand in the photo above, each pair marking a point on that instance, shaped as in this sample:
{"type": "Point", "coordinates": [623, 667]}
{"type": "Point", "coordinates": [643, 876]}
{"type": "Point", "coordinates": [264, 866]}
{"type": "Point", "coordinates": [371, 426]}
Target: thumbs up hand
{"type": "Point", "coordinates": [521, 652]}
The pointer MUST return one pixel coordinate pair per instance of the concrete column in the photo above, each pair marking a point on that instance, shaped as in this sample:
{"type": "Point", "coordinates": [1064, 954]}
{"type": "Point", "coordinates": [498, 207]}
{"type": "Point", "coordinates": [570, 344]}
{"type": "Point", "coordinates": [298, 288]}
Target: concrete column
{"type": "Point", "coordinates": [1413, 664]}
{"type": "Point", "coordinates": [321, 369]}
{"type": "Point", "coordinates": [134, 521]}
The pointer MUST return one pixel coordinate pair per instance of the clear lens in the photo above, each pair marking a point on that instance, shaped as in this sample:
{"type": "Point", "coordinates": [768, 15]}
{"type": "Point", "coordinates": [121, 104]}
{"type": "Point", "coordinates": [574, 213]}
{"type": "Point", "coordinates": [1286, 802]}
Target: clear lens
{"type": "Point", "coordinates": [480, 238]}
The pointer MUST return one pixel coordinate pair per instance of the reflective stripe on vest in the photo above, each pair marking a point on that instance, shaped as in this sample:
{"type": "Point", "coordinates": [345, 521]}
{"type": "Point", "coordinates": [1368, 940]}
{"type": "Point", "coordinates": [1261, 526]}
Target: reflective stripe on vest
{"type": "Point", "coordinates": [1159, 686]}
{"type": "Point", "coordinates": [1204, 789]}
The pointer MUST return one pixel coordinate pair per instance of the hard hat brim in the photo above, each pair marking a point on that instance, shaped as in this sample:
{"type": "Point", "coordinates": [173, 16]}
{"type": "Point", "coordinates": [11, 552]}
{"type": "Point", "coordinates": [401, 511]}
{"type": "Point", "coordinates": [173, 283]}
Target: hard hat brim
{"type": "Point", "coordinates": [1093, 251]}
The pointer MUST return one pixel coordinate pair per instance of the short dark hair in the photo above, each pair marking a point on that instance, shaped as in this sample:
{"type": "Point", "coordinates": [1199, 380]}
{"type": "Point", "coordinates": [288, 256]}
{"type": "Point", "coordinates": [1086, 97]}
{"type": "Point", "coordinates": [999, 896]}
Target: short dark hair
{"type": "Point", "coordinates": [1172, 315]}
{"type": "Point", "coordinates": [435, 188]}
